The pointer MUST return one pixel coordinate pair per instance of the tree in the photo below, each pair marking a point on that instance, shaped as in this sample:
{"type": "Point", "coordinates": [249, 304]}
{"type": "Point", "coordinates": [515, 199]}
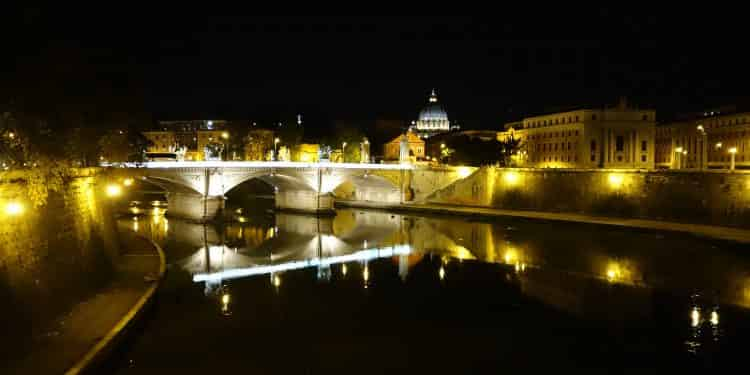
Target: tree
{"type": "Point", "coordinates": [466, 150]}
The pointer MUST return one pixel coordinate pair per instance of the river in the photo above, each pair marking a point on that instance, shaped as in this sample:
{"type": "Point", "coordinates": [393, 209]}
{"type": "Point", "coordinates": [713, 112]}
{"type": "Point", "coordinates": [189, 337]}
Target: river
{"type": "Point", "coordinates": [374, 292]}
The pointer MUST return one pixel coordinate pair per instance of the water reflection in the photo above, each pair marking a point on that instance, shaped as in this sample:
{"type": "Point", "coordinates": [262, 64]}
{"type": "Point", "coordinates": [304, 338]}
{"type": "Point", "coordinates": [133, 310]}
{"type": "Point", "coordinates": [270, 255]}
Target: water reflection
{"type": "Point", "coordinates": [610, 275]}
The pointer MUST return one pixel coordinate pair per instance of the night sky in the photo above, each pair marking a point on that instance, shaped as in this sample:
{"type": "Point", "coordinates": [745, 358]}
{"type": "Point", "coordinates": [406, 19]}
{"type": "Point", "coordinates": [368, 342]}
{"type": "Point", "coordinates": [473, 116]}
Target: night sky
{"type": "Point", "coordinates": [487, 70]}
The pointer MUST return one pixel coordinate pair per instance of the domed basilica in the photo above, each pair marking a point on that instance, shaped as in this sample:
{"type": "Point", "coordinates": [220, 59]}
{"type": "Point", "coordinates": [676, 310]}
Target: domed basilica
{"type": "Point", "coordinates": [432, 119]}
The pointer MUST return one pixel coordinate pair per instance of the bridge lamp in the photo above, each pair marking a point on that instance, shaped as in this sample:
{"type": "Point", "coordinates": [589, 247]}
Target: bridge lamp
{"type": "Point", "coordinates": [114, 190]}
{"type": "Point", "coordinates": [13, 208]}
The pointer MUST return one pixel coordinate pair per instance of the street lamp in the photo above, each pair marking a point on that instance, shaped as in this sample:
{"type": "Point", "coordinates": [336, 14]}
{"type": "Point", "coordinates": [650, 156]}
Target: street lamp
{"type": "Point", "coordinates": [225, 136]}
{"type": "Point", "coordinates": [732, 152]}
{"type": "Point", "coordinates": [275, 153]}
{"type": "Point", "coordinates": [343, 152]}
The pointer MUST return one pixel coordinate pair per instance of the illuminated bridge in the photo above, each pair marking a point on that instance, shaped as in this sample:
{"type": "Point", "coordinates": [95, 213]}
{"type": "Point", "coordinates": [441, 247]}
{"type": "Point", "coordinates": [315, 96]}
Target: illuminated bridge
{"type": "Point", "coordinates": [197, 190]}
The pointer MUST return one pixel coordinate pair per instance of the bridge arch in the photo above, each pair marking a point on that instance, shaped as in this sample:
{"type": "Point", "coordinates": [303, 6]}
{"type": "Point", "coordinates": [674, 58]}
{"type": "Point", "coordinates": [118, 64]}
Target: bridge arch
{"type": "Point", "coordinates": [367, 187]}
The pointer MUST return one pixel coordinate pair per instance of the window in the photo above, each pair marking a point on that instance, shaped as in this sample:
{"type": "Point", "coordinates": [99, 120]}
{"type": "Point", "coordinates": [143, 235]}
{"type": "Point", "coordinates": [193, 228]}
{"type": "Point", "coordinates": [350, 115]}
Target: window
{"type": "Point", "coordinates": [593, 157]}
{"type": "Point", "coordinates": [620, 144]}
{"type": "Point", "coordinates": [643, 158]}
{"type": "Point", "coordinates": [645, 117]}
{"type": "Point", "coordinates": [593, 146]}
{"type": "Point", "coordinates": [576, 133]}
{"type": "Point", "coordinates": [568, 146]}
{"type": "Point", "coordinates": [644, 146]}
{"type": "Point", "coordinates": [619, 158]}
{"type": "Point", "coordinates": [576, 118]}
{"type": "Point", "coordinates": [593, 117]}
{"type": "Point", "coordinates": [555, 146]}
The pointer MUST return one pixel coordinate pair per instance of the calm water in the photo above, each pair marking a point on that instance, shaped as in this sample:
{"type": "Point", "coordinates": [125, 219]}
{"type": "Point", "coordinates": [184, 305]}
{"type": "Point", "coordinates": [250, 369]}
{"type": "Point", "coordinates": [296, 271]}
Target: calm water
{"type": "Point", "coordinates": [375, 292]}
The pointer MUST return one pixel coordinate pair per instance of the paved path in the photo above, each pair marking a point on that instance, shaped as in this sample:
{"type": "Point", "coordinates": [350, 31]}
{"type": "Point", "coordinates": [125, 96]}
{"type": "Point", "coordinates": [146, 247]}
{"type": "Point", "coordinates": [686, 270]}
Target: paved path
{"type": "Point", "coordinates": [724, 233]}
{"type": "Point", "coordinates": [89, 322]}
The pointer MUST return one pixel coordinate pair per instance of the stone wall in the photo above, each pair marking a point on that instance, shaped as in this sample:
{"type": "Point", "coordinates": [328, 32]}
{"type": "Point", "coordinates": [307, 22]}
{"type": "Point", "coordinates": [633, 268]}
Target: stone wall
{"type": "Point", "coordinates": [51, 256]}
{"type": "Point", "coordinates": [711, 197]}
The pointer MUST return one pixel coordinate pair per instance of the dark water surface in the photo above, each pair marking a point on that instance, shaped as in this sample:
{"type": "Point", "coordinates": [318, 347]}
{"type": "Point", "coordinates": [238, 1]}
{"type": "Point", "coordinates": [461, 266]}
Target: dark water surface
{"type": "Point", "coordinates": [375, 292]}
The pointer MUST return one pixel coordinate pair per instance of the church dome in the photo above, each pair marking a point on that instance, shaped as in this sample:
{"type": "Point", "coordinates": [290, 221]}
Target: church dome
{"type": "Point", "coordinates": [433, 111]}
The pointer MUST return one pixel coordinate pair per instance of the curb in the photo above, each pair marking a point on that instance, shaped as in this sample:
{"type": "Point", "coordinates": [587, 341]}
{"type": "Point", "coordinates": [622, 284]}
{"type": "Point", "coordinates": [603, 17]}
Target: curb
{"type": "Point", "coordinates": [105, 345]}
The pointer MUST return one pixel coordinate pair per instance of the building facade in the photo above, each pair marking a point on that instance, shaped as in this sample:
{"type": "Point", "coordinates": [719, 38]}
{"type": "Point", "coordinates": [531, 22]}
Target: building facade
{"type": "Point", "coordinates": [433, 119]}
{"type": "Point", "coordinates": [704, 142]}
{"type": "Point", "coordinates": [618, 137]}
{"type": "Point", "coordinates": [392, 149]}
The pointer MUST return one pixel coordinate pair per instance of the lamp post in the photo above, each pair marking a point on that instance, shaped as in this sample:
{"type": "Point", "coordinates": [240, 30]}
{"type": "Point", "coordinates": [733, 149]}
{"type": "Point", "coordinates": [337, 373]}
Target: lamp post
{"type": "Point", "coordinates": [225, 137]}
{"type": "Point", "coordinates": [343, 152]}
{"type": "Point", "coordinates": [678, 157]}
{"type": "Point", "coordinates": [704, 148]}
{"type": "Point", "coordinates": [732, 152]}
{"type": "Point", "coordinates": [275, 152]}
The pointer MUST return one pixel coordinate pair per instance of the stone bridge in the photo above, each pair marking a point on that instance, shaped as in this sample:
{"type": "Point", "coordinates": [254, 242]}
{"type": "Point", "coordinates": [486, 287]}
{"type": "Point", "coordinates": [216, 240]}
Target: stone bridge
{"type": "Point", "coordinates": [197, 190]}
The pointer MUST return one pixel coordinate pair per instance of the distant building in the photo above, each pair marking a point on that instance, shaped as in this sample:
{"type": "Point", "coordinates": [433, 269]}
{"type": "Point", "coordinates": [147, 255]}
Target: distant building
{"type": "Point", "coordinates": [433, 119]}
{"type": "Point", "coordinates": [161, 141]}
{"type": "Point", "coordinates": [704, 141]}
{"type": "Point", "coordinates": [258, 143]}
{"type": "Point", "coordinates": [306, 152]}
{"type": "Point", "coordinates": [392, 149]}
{"type": "Point", "coordinates": [619, 137]}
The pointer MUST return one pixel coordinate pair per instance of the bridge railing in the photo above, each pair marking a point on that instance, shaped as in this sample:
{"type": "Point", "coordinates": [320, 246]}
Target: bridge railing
{"type": "Point", "coordinates": [256, 164]}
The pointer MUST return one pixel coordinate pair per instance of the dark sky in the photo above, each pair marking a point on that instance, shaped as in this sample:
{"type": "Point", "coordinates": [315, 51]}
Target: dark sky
{"type": "Point", "coordinates": [487, 69]}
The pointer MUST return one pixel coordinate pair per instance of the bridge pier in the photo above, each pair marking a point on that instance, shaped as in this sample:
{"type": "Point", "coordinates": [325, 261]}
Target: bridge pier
{"type": "Point", "coordinates": [304, 201]}
{"type": "Point", "coordinates": [194, 207]}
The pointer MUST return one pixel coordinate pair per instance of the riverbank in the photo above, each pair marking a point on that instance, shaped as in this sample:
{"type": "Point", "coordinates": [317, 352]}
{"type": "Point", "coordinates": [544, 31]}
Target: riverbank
{"type": "Point", "coordinates": [82, 337]}
{"type": "Point", "coordinates": [712, 231]}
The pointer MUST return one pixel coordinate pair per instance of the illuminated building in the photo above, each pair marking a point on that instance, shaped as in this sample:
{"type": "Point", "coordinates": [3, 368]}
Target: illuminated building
{"type": "Point", "coordinates": [433, 119]}
{"type": "Point", "coordinates": [619, 137]}
{"type": "Point", "coordinates": [704, 141]}
{"type": "Point", "coordinates": [258, 143]}
{"type": "Point", "coordinates": [392, 149]}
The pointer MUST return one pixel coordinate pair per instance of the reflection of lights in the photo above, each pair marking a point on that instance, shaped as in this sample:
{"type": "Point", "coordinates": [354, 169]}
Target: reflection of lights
{"type": "Point", "coordinates": [241, 219]}
{"type": "Point", "coordinates": [520, 267]}
{"type": "Point", "coordinates": [166, 225]}
{"type": "Point", "coordinates": [343, 269]}
{"type": "Point", "coordinates": [225, 298]}
{"type": "Point", "coordinates": [615, 180]}
{"type": "Point", "coordinates": [127, 182]}
{"type": "Point", "coordinates": [113, 190]}
{"type": "Point", "coordinates": [441, 273]}
{"type": "Point", "coordinates": [363, 255]}
{"type": "Point", "coordinates": [714, 318]}
{"type": "Point", "coordinates": [135, 225]}
{"type": "Point", "coordinates": [695, 317]}
{"type": "Point", "coordinates": [13, 208]}
{"type": "Point", "coordinates": [135, 210]}
{"type": "Point", "coordinates": [276, 281]}
{"type": "Point", "coordinates": [366, 273]}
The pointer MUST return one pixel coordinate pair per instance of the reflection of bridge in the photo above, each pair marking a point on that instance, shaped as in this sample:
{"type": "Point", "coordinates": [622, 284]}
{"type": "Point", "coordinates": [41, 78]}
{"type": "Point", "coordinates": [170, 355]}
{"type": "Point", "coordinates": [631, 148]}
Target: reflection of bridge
{"type": "Point", "coordinates": [196, 190]}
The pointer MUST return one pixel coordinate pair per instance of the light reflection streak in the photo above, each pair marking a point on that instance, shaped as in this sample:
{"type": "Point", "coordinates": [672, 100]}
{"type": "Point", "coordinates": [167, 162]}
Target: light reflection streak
{"type": "Point", "coordinates": [363, 255]}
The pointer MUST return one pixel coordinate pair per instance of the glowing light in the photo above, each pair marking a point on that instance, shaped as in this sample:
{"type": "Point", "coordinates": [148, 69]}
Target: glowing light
{"type": "Point", "coordinates": [225, 298]}
{"type": "Point", "coordinates": [276, 140]}
{"type": "Point", "coordinates": [127, 182]}
{"type": "Point", "coordinates": [510, 257]}
{"type": "Point", "coordinates": [343, 269]}
{"type": "Point", "coordinates": [441, 273]}
{"type": "Point", "coordinates": [366, 273]}
{"type": "Point", "coordinates": [510, 178]}
{"type": "Point", "coordinates": [719, 145]}
{"type": "Point", "coordinates": [678, 150]}
{"type": "Point", "coordinates": [114, 190]}
{"type": "Point", "coordinates": [615, 180]}
{"type": "Point", "coordinates": [614, 272]}
{"type": "Point", "coordinates": [276, 281]}
{"type": "Point", "coordinates": [733, 150]}
{"type": "Point", "coordinates": [135, 210]}
{"type": "Point", "coordinates": [13, 208]}
{"type": "Point", "coordinates": [464, 172]}
{"type": "Point", "coordinates": [241, 219]}
{"type": "Point", "coordinates": [714, 318]}
{"type": "Point", "coordinates": [700, 128]}
{"type": "Point", "coordinates": [135, 225]}
{"type": "Point", "coordinates": [225, 135]}
{"type": "Point", "coordinates": [695, 317]}
{"type": "Point", "coordinates": [11, 135]}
